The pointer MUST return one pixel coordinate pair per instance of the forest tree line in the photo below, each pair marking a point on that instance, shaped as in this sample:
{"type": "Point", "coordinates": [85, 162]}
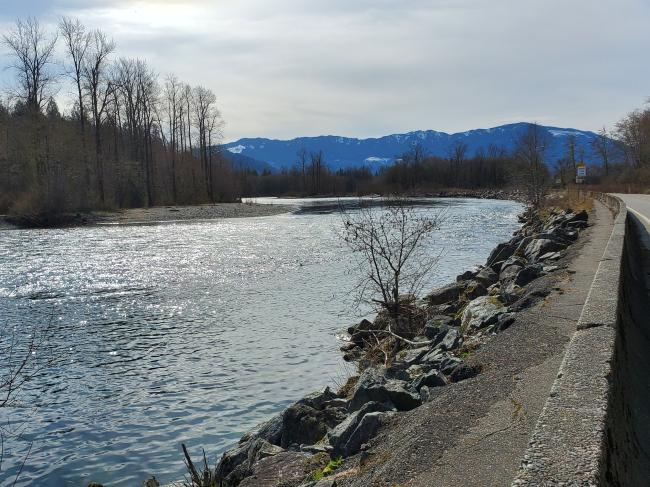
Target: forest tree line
{"type": "Point", "coordinates": [413, 172]}
{"type": "Point", "coordinates": [630, 140]}
{"type": "Point", "coordinates": [128, 139]}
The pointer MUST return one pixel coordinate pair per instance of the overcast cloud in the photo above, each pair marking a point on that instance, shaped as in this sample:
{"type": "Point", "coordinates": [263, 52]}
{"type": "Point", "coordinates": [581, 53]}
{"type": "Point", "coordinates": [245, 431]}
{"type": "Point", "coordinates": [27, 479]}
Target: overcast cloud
{"type": "Point", "coordinates": [285, 68]}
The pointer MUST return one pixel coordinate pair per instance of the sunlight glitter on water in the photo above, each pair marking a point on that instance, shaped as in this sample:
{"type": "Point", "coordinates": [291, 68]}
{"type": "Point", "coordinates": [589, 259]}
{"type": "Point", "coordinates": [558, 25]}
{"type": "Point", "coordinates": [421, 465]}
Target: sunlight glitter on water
{"type": "Point", "coordinates": [187, 332]}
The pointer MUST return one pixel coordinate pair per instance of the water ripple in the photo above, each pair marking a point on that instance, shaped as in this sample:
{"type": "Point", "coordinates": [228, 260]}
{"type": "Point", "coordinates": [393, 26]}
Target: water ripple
{"type": "Point", "coordinates": [185, 332]}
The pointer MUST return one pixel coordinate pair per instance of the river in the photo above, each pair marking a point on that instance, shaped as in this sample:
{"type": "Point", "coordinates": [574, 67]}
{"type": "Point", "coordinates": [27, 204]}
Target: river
{"type": "Point", "coordinates": [185, 332]}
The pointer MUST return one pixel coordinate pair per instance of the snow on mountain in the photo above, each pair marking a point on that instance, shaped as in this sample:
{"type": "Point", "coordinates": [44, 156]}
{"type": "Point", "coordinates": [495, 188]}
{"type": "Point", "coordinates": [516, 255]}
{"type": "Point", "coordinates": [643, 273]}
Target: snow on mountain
{"type": "Point", "coordinates": [238, 149]}
{"type": "Point", "coordinates": [344, 152]}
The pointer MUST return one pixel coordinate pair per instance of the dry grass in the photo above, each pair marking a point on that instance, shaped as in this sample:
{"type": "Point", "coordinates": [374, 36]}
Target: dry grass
{"type": "Point", "coordinates": [569, 198]}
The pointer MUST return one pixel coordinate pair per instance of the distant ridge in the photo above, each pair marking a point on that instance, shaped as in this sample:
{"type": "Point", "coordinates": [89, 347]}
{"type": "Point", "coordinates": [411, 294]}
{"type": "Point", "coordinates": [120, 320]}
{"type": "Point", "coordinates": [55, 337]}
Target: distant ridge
{"type": "Point", "coordinates": [345, 152]}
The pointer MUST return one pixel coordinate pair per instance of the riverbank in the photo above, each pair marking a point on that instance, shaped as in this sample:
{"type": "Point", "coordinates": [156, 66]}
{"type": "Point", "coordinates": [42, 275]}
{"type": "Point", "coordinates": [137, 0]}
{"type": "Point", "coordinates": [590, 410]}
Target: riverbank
{"type": "Point", "coordinates": [248, 208]}
{"type": "Point", "coordinates": [348, 437]}
{"type": "Point", "coordinates": [489, 194]}
{"type": "Point", "coordinates": [155, 214]}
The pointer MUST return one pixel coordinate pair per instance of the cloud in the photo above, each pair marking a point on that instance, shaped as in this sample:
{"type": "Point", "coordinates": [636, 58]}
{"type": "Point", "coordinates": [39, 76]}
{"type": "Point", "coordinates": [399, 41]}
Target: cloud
{"type": "Point", "coordinates": [366, 68]}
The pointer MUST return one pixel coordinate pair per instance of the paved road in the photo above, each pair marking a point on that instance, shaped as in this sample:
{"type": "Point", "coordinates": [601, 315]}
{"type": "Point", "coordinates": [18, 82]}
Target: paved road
{"type": "Point", "coordinates": [639, 204]}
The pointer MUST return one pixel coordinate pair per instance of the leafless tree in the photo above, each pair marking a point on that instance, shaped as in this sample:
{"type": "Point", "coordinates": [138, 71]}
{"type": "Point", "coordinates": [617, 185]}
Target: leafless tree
{"type": "Point", "coordinates": [302, 163]}
{"type": "Point", "coordinates": [458, 154]}
{"type": "Point", "coordinates": [174, 109]}
{"type": "Point", "coordinates": [633, 134]}
{"type": "Point", "coordinates": [564, 170]}
{"type": "Point", "coordinates": [316, 169]}
{"type": "Point", "coordinates": [571, 145]}
{"type": "Point", "coordinates": [32, 50]}
{"type": "Point", "coordinates": [99, 88]}
{"type": "Point", "coordinates": [206, 116]}
{"type": "Point", "coordinates": [214, 127]}
{"type": "Point", "coordinates": [411, 161]}
{"type": "Point", "coordinates": [137, 88]}
{"type": "Point", "coordinates": [530, 151]}
{"type": "Point", "coordinates": [188, 100]}
{"type": "Point", "coordinates": [77, 43]}
{"type": "Point", "coordinates": [393, 242]}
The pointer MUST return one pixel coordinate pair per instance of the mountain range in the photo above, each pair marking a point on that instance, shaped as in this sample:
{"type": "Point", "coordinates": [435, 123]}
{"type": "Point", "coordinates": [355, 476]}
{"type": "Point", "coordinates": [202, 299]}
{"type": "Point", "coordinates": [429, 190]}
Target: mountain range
{"type": "Point", "coordinates": [345, 152]}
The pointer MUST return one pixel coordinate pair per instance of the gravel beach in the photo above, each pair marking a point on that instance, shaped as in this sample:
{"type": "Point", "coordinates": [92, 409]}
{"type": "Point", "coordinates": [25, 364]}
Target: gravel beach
{"type": "Point", "coordinates": [159, 214]}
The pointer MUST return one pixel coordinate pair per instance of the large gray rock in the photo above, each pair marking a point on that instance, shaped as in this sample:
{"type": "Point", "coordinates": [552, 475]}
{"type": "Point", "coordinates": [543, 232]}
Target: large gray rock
{"type": "Point", "coordinates": [487, 277]}
{"type": "Point", "coordinates": [303, 424]}
{"type": "Point", "coordinates": [430, 379]}
{"type": "Point", "coordinates": [582, 216]}
{"type": "Point", "coordinates": [233, 459]}
{"type": "Point", "coordinates": [510, 292]}
{"type": "Point", "coordinates": [511, 267]}
{"type": "Point", "coordinates": [481, 312]}
{"type": "Point", "coordinates": [558, 234]}
{"type": "Point", "coordinates": [412, 356]}
{"type": "Point", "coordinates": [465, 276]}
{"type": "Point", "coordinates": [448, 339]}
{"type": "Point", "coordinates": [528, 274]}
{"type": "Point", "coordinates": [436, 332]}
{"type": "Point", "coordinates": [509, 273]}
{"type": "Point", "coordinates": [367, 429]}
{"type": "Point", "coordinates": [375, 387]}
{"type": "Point", "coordinates": [505, 321]}
{"type": "Point", "coordinates": [363, 325]}
{"type": "Point", "coordinates": [475, 289]}
{"type": "Point", "coordinates": [339, 437]}
{"type": "Point", "coordinates": [434, 323]}
{"type": "Point", "coordinates": [514, 260]}
{"type": "Point", "coordinates": [286, 468]}
{"type": "Point", "coordinates": [445, 294]}
{"type": "Point", "coordinates": [450, 308]}
{"type": "Point", "coordinates": [540, 246]}
{"type": "Point", "coordinates": [317, 400]}
{"type": "Point", "coordinates": [449, 363]}
{"type": "Point", "coordinates": [521, 248]}
{"type": "Point", "coordinates": [236, 464]}
{"type": "Point", "coordinates": [550, 256]}
{"type": "Point", "coordinates": [501, 252]}
{"type": "Point", "coordinates": [577, 225]}
{"type": "Point", "coordinates": [270, 431]}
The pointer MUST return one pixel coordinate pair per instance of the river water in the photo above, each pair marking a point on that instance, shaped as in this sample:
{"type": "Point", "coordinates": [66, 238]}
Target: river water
{"type": "Point", "coordinates": [184, 332]}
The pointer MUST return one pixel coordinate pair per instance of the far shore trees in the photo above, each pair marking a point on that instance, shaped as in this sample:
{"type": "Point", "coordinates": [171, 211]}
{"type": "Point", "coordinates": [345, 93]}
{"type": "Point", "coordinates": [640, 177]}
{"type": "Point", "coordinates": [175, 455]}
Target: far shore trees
{"type": "Point", "coordinates": [32, 51]}
{"type": "Point", "coordinates": [125, 139]}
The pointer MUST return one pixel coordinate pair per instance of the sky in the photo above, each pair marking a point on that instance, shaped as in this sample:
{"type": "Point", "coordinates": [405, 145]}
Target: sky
{"type": "Point", "coordinates": [288, 68]}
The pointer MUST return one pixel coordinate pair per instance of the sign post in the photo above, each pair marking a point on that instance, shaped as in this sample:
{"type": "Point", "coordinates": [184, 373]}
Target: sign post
{"type": "Point", "coordinates": [581, 173]}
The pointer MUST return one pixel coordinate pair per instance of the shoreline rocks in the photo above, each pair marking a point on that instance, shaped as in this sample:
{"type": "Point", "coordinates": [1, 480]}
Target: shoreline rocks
{"type": "Point", "coordinates": [399, 375]}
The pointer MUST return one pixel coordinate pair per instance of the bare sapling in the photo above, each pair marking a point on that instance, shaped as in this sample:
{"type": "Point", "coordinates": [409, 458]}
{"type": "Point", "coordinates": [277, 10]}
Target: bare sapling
{"type": "Point", "coordinates": [393, 242]}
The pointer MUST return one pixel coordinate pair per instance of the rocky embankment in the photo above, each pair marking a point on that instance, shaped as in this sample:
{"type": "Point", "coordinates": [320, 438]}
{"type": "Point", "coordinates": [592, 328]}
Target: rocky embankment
{"type": "Point", "coordinates": [321, 437]}
{"type": "Point", "coordinates": [485, 194]}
